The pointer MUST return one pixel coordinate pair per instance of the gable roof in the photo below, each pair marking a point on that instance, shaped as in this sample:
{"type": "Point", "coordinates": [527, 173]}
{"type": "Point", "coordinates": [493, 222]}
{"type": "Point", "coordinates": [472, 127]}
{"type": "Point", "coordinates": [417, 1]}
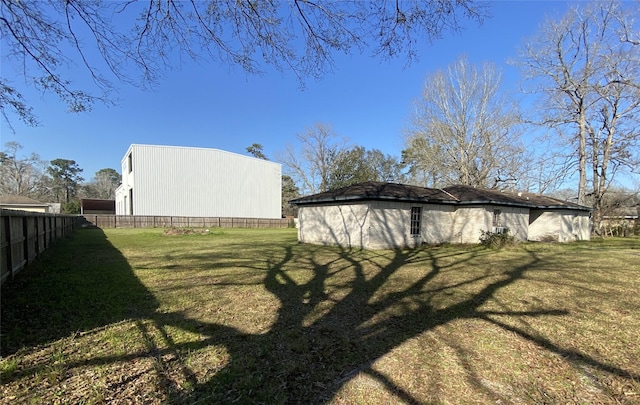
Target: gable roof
{"type": "Point", "coordinates": [456, 195]}
{"type": "Point", "coordinates": [20, 200]}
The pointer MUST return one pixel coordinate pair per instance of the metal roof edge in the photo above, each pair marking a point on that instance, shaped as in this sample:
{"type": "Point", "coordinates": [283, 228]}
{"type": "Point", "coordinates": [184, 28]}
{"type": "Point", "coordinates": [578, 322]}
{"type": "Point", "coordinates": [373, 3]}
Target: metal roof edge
{"type": "Point", "coordinates": [202, 148]}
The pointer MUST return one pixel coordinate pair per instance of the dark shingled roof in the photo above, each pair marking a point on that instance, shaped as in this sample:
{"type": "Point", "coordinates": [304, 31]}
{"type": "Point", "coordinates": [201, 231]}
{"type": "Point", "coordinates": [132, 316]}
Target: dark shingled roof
{"type": "Point", "coordinates": [472, 195]}
{"type": "Point", "coordinates": [457, 195]}
{"type": "Point", "coordinates": [19, 200]}
{"type": "Point", "coordinates": [373, 190]}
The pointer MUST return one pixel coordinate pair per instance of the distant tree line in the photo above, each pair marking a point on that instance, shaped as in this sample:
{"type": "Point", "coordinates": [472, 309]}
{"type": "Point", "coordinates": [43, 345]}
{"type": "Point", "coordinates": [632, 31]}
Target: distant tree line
{"type": "Point", "coordinates": [57, 181]}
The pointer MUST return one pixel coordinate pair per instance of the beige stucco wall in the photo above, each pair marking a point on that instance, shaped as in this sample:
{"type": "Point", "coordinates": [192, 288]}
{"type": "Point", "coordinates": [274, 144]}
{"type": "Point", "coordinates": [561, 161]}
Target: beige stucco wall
{"type": "Point", "coordinates": [470, 221]}
{"type": "Point", "coordinates": [467, 224]}
{"type": "Point", "coordinates": [375, 225]}
{"type": "Point", "coordinates": [559, 225]}
{"type": "Point", "coordinates": [391, 224]}
{"type": "Point", "coordinates": [344, 224]}
{"type": "Point", "coordinates": [384, 225]}
{"type": "Point", "coordinates": [437, 224]}
{"type": "Point", "coordinates": [27, 208]}
{"type": "Point", "coordinates": [514, 218]}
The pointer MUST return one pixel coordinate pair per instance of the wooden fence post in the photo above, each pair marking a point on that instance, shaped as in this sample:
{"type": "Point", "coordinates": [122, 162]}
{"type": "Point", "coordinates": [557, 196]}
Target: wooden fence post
{"type": "Point", "coordinates": [7, 230]}
{"type": "Point", "coordinates": [25, 243]}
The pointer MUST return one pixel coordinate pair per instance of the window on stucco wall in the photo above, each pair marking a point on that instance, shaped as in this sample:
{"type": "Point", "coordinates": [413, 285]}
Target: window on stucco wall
{"type": "Point", "coordinates": [416, 219]}
{"type": "Point", "coordinates": [498, 224]}
{"type": "Point", "coordinates": [497, 218]}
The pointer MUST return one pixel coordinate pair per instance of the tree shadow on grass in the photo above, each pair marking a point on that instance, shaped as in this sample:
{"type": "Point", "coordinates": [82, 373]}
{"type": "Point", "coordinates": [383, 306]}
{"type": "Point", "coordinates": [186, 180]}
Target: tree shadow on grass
{"type": "Point", "coordinates": [323, 336]}
{"type": "Point", "coordinates": [81, 283]}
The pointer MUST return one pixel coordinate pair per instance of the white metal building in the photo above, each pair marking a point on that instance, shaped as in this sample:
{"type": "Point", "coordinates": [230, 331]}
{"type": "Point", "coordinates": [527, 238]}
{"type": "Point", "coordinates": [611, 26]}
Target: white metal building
{"type": "Point", "coordinates": [197, 182]}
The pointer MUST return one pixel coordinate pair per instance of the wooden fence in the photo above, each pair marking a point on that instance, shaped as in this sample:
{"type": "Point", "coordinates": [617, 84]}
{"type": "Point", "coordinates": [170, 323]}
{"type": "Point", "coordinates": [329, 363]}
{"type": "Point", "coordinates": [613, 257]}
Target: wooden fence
{"type": "Point", "coordinates": [25, 235]}
{"type": "Point", "coordinates": [148, 221]}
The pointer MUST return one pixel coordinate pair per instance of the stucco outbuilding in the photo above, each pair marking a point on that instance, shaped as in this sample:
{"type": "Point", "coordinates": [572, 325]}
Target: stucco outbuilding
{"type": "Point", "coordinates": [376, 215]}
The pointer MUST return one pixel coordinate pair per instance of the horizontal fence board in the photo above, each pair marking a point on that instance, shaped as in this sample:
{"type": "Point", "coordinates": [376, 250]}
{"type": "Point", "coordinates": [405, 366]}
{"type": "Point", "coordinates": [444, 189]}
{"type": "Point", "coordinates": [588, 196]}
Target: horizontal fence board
{"type": "Point", "coordinates": [147, 221]}
{"type": "Point", "coordinates": [25, 235]}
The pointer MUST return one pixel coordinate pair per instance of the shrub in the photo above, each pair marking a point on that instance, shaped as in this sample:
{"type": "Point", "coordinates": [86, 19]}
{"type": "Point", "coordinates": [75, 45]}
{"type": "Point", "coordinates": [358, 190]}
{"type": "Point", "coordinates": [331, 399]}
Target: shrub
{"type": "Point", "coordinates": [497, 240]}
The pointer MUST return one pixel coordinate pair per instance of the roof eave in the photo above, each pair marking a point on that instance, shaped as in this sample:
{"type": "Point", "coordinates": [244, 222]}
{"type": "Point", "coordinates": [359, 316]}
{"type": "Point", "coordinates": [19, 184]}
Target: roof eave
{"type": "Point", "coordinates": [370, 198]}
{"type": "Point", "coordinates": [434, 201]}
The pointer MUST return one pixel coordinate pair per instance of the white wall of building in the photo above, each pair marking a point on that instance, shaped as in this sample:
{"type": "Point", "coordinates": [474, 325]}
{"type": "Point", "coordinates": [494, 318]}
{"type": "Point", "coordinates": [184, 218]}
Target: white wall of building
{"type": "Point", "coordinates": [28, 208]}
{"type": "Point", "coordinates": [340, 224]}
{"type": "Point", "coordinates": [559, 225]}
{"type": "Point", "coordinates": [183, 181]}
{"type": "Point", "coordinates": [384, 225]}
{"type": "Point", "coordinates": [390, 226]}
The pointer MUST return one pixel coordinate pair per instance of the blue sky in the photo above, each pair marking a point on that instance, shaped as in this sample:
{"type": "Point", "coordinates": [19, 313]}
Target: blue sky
{"type": "Point", "coordinates": [365, 99]}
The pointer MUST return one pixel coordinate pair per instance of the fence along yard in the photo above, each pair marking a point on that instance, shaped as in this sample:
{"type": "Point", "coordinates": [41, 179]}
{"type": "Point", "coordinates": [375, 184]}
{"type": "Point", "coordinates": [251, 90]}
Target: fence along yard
{"type": "Point", "coordinates": [148, 221]}
{"type": "Point", "coordinates": [25, 235]}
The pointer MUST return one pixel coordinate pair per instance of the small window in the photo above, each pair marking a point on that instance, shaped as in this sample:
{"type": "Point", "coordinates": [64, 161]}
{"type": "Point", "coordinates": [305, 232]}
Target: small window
{"type": "Point", "coordinates": [497, 218]}
{"type": "Point", "coordinates": [130, 161]}
{"type": "Point", "coordinates": [498, 226]}
{"type": "Point", "coordinates": [416, 219]}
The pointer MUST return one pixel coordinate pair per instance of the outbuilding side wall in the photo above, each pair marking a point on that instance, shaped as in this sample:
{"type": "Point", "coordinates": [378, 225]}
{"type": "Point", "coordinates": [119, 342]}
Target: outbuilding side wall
{"type": "Point", "coordinates": [437, 224]}
{"type": "Point", "coordinates": [390, 226]}
{"type": "Point", "coordinates": [516, 219]}
{"type": "Point", "coordinates": [16, 207]}
{"type": "Point", "coordinates": [468, 222]}
{"type": "Point", "coordinates": [559, 225]}
{"type": "Point", "coordinates": [387, 224]}
{"type": "Point", "coordinates": [341, 224]}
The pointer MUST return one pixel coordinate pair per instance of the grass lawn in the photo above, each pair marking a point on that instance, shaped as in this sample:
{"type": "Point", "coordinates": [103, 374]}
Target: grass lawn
{"type": "Point", "coordinates": [251, 316]}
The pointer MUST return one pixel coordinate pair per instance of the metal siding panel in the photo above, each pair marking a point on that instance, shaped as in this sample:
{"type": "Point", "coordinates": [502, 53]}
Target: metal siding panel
{"type": "Point", "coordinates": [183, 181]}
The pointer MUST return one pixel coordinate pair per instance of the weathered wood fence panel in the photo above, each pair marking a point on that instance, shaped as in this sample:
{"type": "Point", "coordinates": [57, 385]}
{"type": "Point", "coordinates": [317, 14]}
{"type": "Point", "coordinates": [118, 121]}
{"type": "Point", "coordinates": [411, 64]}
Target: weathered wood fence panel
{"type": "Point", "coordinates": [147, 221]}
{"type": "Point", "coordinates": [25, 235]}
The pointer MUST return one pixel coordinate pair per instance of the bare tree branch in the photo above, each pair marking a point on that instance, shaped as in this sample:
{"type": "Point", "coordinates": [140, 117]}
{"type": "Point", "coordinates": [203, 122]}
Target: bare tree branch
{"type": "Point", "coordinates": [149, 37]}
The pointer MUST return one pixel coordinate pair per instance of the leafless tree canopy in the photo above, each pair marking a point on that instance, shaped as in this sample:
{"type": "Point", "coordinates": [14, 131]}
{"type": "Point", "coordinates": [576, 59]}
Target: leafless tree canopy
{"type": "Point", "coordinates": [21, 175]}
{"type": "Point", "coordinates": [311, 163]}
{"type": "Point", "coordinates": [112, 39]}
{"type": "Point", "coordinates": [463, 130]}
{"type": "Point", "coordinates": [586, 67]}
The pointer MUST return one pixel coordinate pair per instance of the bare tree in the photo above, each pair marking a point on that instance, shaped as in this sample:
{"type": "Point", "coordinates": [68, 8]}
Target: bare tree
{"type": "Point", "coordinates": [311, 163]}
{"type": "Point", "coordinates": [113, 38]}
{"type": "Point", "coordinates": [547, 166]}
{"type": "Point", "coordinates": [586, 68]}
{"type": "Point", "coordinates": [20, 175]}
{"type": "Point", "coordinates": [464, 130]}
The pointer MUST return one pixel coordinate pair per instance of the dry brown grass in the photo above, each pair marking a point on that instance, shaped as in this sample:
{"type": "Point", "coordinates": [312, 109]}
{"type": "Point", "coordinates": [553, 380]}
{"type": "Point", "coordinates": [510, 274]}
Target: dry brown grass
{"type": "Point", "coordinates": [251, 316]}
